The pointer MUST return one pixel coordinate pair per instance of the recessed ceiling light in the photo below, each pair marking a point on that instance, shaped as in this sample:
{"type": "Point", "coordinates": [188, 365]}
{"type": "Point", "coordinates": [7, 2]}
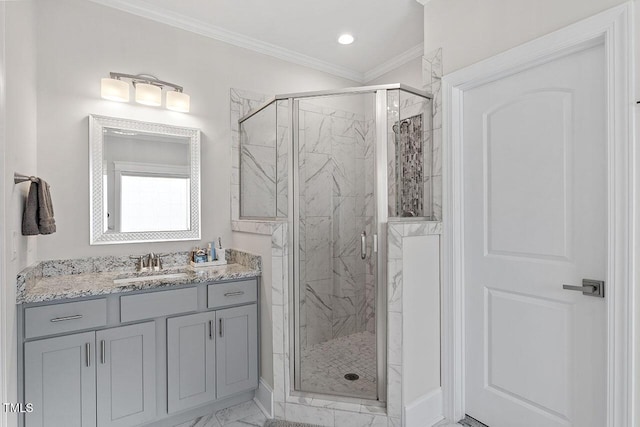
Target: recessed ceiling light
{"type": "Point", "coordinates": [345, 39]}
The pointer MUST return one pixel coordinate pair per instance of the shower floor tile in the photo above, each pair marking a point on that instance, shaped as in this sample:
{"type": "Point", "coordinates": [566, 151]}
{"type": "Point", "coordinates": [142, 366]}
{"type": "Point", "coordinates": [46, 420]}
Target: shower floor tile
{"type": "Point", "coordinates": [324, 366]}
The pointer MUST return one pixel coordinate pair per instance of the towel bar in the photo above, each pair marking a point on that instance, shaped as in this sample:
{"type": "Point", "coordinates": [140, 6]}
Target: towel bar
{"type": "Point", "coordinates": [18, 178]}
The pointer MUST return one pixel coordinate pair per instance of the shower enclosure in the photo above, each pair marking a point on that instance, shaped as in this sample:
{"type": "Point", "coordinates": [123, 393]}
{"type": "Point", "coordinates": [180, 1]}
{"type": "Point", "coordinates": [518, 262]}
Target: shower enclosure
{"type": "Point", "coordinates": [338, 165]}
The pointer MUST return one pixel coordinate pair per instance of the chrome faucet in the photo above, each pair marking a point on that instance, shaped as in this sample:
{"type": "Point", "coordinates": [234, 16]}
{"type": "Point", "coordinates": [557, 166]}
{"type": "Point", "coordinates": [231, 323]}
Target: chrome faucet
{"type": "Point", "coordinates": [150, 262]}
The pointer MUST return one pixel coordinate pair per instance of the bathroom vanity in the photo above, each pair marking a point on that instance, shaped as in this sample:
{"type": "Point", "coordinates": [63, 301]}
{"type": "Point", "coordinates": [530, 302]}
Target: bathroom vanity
{"type": "Point", "coordinates": [113, 348]}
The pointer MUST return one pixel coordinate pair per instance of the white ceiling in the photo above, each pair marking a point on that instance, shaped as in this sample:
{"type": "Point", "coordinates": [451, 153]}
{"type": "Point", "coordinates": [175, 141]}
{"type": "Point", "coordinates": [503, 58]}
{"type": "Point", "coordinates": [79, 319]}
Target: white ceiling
{"type": "Point", "coordinates": [388, 33]}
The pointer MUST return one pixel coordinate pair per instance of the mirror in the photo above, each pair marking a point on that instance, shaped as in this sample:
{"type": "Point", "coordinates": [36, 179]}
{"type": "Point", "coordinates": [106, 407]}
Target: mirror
{"type": "Point", "coordinates": [145, 181]}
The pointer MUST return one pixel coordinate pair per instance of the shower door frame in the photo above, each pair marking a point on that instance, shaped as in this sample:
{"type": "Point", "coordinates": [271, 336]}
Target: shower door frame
{"type": "Point", "coordinates": [380, 216]}
{"type": "Point", "coordinates": [380, 219]}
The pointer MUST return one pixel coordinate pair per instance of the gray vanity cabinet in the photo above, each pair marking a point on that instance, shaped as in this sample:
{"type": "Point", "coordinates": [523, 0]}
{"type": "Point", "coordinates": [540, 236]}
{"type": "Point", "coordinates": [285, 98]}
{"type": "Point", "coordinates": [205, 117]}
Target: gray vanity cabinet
{"type": "Point", "coordinates": [126, 375]}
{"type": "Point", "coordinates": [237, 349]}
{"type": "Point", "coordinates": [191, 361]}
{"type": "Point", "coordinates": [140, 358]}
{"type": "Point", "coordinates": [60, 381]}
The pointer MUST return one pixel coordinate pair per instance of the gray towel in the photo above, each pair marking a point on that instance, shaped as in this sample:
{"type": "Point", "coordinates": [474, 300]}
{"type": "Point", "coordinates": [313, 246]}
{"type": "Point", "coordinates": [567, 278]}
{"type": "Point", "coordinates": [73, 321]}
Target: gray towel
{"type": "Point", "coordinates": [46, 223]}
{"type": "Point", "coordinates": [30, 214]}
{"type": "Point", "coordinates": [38, 213]}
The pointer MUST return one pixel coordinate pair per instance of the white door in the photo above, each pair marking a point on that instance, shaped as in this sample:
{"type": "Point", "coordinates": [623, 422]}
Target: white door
{"type": "Point", "coordinates": [535, 198]}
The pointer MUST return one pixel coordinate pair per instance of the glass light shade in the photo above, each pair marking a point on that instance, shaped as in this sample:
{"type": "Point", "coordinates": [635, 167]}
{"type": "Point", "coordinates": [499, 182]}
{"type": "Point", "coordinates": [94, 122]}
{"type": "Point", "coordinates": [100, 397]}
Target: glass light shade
{"type": "Point", "coordinates": [178, 101]}
{"type": "Point", "coordinates": [147, 94]}
{"type": "Point", "coordinates": [114, 90]}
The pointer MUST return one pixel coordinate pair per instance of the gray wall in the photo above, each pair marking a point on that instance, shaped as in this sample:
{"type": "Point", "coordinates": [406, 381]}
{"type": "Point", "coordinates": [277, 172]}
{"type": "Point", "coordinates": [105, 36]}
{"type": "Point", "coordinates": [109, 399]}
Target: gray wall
{"type": "Point", "coordinates": [20, 155]}
{"type": "Point", "coordinates": [80, 42]}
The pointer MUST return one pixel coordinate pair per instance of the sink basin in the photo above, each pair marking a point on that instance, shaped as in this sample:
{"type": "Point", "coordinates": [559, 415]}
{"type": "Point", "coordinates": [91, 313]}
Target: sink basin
{"type": "Point", "coordinates": [145, 278]}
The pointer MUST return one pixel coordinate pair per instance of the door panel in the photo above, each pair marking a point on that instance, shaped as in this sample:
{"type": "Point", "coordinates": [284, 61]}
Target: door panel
{"type": "Point", "coordinates": [191, 360]}
{"type": "Point", "coordinates": [60, 381]}
{"type": "Point", "coordinates": [534, 158]}
{"type": "Point", "coordinates": [236, 350]}
{"type": "Point", "coordinates": [126, 375]}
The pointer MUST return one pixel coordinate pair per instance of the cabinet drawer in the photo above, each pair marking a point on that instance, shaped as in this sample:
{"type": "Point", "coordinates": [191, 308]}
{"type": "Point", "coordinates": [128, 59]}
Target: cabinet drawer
{"type": "Point", "coordinates": [60, 318]}
{"type": "Point", "coordinates": [233, 293]}
{"type": "Point", "coordinates": [158, 304]}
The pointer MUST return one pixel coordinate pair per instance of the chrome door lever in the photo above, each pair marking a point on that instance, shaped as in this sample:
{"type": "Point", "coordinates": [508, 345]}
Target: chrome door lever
{"type": "Point", "coordinates": [592, 288]}
{"type": "Point", "coordinates": [363, 245]}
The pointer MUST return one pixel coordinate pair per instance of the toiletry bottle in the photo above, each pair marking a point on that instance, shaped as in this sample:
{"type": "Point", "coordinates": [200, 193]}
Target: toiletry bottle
{"type": "Point", "coordinates": [209, 255]}
{"type": "Point", "coordinates": [220, 251]}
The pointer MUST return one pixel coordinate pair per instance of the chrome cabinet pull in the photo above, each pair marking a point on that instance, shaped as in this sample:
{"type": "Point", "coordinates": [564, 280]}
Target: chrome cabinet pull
{"type": "Point", "coordinates": [221, 331]}
{"type": "Point", "coordinates": [592, 288]}
{"type": "Point", "coordinates": [103, 352]}
{"type": "Point", "coordinates": [210, 329]}
{"type": "Point", "coordinates": [234, 294]}
{"type": "Point", "coordinates": [363, 245]}
{"type": "Point", "coordinates": [87, 349]}
{"type": "Point", "coordinates": [62, 319]}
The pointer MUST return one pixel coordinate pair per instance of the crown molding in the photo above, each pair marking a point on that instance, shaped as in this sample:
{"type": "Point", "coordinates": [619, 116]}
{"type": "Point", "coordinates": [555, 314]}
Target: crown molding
{"type": "Point", "coordinates": [395, 62]}
{"type": "Point", "coordinates": [148, 10]}
{"type": "Point", "coordinates": [423, 2]}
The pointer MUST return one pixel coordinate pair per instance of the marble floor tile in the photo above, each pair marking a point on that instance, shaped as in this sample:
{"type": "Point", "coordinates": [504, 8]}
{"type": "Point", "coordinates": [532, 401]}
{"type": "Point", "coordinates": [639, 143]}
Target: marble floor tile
{"type": "Point", "coordinates": [245, 414]}
{"type": "Point", "coordinates": [237, 412]}
{"type": "Point", "coordinates": [205, 421]}
{"type": "Point", "coordinates": [325, 364]}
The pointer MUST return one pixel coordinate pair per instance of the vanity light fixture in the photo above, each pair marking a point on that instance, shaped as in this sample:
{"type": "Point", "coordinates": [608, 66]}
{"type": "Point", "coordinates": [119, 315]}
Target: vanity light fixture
{"type": "Point", "coordinates": [148, 91]}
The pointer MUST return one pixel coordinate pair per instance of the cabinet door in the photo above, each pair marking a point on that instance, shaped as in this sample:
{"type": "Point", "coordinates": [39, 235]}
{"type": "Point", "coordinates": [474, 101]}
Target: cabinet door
{"type": "Point", "coordinates": [237, 350]}
{"type": "Point", "coordinates": [126, 371]}
{"type": "Point", "coordinates": [60, 381]}
{"type": "Point", "coordinates": [191, 364]}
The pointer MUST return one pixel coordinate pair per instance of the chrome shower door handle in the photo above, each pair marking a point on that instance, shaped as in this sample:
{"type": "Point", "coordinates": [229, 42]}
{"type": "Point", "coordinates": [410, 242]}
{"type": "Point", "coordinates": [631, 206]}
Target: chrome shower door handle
{"type": "Point", "coordinates": [592, 288]}
{"type": "Point", "coordinates": [363, 245]}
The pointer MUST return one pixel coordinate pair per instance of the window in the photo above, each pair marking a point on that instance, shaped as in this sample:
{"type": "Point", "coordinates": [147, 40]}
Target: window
{"type": "Point", "coordinates": [154, 203]}
{"type": "Point", "coordinates": [151, 197]}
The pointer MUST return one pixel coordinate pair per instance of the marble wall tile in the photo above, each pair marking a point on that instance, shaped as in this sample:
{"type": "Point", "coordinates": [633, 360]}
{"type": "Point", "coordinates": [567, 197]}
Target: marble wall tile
{"type": "Point", "coordinates": [344, 168]}
{"type": "Point", "coordinates": [344, 306]}
{"type": "Point", "coordinates": [437, 152]}
{"type": "Point", "coordinates": [316, 227]}
{"type": "Point", "coordinates": [437, 198]}
{"type": "Point", "coordinates": [317, 133]}
{"type": "Point", "coordinates": [394, 351]}
{"type": "Point", "coordinates": [319, 313]}
{"type": "Point", "coordinates": [394, 391]}
{"type": "Point", "coordinates": [347, 272]}
{"type": "Point", "coordinates": [277, 274]}
{"type": "Point", "coordinates": [394, 291]}
{"type": "Point", "coordinates": [258, 181]}
{"type": "Point", "coordinates": [437, 104]}
{"type": "Point", "coordinates": [279, 410]}
{"type": "Point", "coordinates": [343, 326]}
{"type": "Point", "coordinates": [277, 242]}
{"type": "Point", "coordinates": [422, 228]}
{"type": "Point", "coordinates": [346, 237]}
{"type": "Point", "coordinates": [343, 126]}
{"type": "Point", "coordinates": [394, 240]}
{"type": "Point", "coordinates": [317, 193]}
{"type": "Point", "coordinates": [318, 260]}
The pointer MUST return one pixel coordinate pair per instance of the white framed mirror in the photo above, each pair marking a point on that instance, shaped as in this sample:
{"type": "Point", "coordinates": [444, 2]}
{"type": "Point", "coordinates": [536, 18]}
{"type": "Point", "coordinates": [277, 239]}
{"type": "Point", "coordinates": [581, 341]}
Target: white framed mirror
{"type": "Point", "coordinates": [144, 181]}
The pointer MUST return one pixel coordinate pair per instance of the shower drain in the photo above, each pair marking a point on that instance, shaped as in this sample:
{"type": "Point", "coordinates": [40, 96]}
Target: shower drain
{"type": "Point", "coordinates": [351, 377]}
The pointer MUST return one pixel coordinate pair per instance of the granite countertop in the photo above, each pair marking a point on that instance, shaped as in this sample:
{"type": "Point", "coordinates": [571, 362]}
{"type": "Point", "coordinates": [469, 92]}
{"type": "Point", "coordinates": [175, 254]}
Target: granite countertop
{"type": "Point", "coordinates": [66, 279]}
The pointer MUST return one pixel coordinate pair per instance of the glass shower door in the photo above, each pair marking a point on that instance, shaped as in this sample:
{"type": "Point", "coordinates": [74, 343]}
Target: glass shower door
{"type": "Point", "coordinates": [335, 266]}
